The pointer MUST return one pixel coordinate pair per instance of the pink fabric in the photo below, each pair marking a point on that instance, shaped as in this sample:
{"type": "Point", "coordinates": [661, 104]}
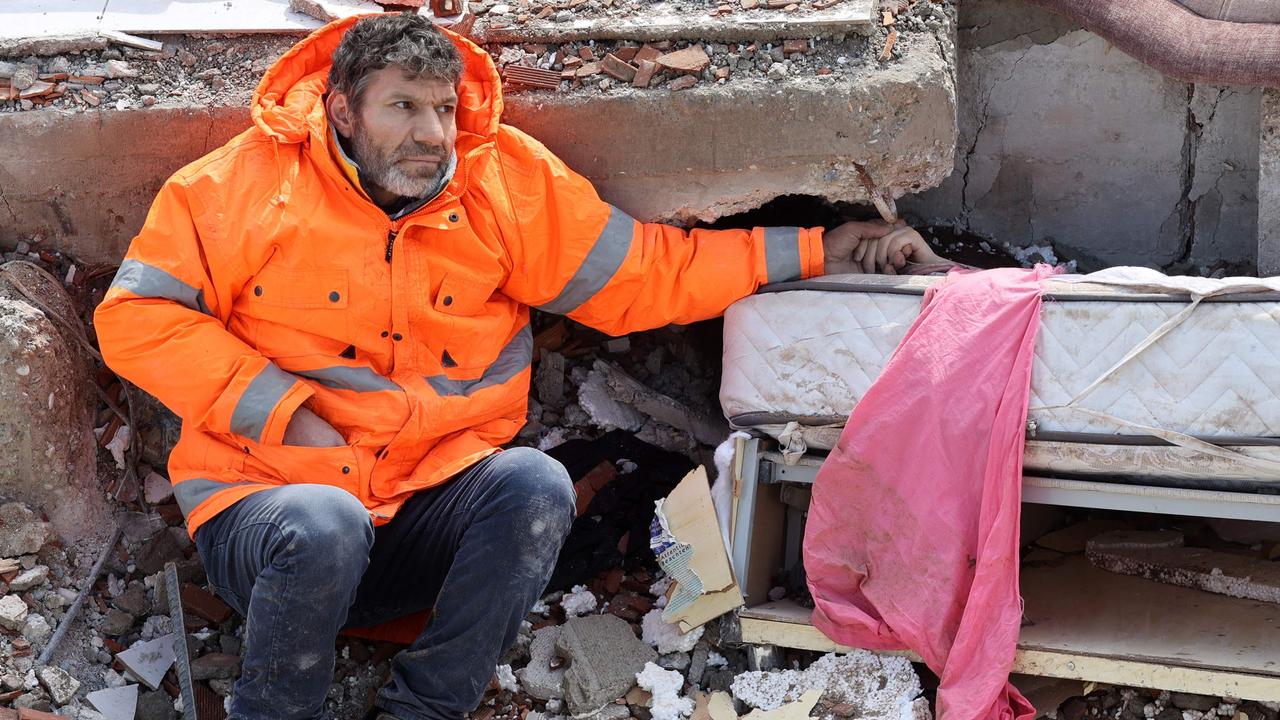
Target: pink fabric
{"type": "Point", "coordinates": [912, 538]}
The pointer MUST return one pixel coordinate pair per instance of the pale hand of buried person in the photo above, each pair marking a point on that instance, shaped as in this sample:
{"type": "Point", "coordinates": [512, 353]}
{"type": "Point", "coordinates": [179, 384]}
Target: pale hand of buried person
{"type": "Point", "coordinates": [307, 429]}
{"type": "Point", "coordinates": [874, 246]}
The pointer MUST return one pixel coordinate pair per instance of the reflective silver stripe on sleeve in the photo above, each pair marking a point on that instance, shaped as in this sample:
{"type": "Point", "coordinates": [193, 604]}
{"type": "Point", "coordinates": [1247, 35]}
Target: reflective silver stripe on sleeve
{"type": "Point", "coordinates": [600, 265]}
{"type": "Point", "coordinates": [782, 253]}
{"type": "Point", "coordinates": [264, 392]}
{"type": "Point", "coordinates": [149, 281]}
{"type": "Point", "coordinates": [514, 358]}
{"type": "Point", "coordinates": [190, 493]}
{"type": "Point", "coordinates": [342, 377]}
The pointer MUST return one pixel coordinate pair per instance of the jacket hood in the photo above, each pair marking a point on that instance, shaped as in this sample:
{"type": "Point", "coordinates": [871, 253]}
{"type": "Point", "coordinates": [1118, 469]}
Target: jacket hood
{"type": "Point", "coordinates": [287, 104]}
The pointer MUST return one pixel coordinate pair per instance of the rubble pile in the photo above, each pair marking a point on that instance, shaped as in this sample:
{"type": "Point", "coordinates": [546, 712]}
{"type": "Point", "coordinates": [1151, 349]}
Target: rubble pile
{"type": "Point", "coordinates": [190, 71]}
{"type": "Point", "coordinates": [611, 66]}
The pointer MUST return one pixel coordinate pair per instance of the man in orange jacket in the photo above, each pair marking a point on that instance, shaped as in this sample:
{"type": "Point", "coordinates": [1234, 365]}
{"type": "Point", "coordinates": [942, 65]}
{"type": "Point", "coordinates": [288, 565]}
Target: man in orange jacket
{"type": "Point", "coordinates": [336, 303]}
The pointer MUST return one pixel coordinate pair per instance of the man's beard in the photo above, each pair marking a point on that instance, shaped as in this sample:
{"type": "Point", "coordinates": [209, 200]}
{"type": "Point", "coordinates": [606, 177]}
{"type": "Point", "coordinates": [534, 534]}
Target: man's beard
{"type": "Point", "coordinates": [382, 168]}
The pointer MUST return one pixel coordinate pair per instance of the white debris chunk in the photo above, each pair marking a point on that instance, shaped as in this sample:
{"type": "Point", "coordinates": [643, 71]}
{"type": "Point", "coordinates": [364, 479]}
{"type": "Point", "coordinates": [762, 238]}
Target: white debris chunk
{"type": "Point", "coordinates": [150, 660]}
{"type": "Point", "coordinates": [882, 687]}
{"type": "Point", "coordinates": [117, 703]}
{"type": "Point", "coordinates": [579, 601]}
{"type": "Point", "coordinates": [715, 659]}
{"type": "Point", "coordinates": [507, 679]}
{"type": "Point", "coordinates": [660, 586]}
{"type": "Point", "coordinates": [665, 636]}
{"type": "Point", "coordinates": [665, 686]}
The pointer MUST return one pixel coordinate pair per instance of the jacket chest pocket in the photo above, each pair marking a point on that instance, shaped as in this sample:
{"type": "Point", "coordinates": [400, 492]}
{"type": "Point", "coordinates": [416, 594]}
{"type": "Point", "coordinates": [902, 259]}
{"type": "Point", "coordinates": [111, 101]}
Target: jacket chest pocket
{"type": "Point", "coordinates": [476, 318]}
{"type": "Point", "coordinates": [297, 311]}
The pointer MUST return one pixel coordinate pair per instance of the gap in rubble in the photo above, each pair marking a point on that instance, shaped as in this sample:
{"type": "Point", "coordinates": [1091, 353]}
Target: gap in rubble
{"type": "Point", "coordinates": [952, 243]}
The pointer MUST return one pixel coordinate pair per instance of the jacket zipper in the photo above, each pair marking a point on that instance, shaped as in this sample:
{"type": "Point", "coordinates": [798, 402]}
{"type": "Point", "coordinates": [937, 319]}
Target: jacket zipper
{"type": "Point", "coordinates": [391, 243]}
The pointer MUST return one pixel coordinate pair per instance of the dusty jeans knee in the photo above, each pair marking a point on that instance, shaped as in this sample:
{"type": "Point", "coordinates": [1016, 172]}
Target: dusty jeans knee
{"type": "Point", "coordinates": [289, 559]}
{"type": "Point", "coordinates": [302, 561]}
{"type": "Point", "coordinates": [478, 551]}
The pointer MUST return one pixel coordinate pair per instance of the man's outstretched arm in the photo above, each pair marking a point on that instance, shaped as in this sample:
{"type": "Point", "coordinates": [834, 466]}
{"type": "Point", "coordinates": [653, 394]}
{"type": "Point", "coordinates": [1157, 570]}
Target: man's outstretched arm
{"type": "Point", "coordinates": [575, 255]}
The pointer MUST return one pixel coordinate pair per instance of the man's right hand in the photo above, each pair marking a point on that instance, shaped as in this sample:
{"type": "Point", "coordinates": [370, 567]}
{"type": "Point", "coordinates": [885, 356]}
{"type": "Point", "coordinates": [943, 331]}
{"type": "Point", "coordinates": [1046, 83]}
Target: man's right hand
{"type": "Point", "coordinates": [307, 429]}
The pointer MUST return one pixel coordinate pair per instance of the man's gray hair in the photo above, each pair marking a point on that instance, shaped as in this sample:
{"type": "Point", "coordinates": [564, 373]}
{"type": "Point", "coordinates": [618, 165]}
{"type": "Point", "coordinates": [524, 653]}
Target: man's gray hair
{"type": "Point", "coordinates": [404, 39]}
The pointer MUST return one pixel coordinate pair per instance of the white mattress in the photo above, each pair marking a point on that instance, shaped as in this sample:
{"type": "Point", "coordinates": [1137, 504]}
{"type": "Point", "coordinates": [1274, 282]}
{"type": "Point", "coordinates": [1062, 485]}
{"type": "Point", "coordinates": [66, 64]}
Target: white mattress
{"type": "Point", "coordinates": [809, 353]}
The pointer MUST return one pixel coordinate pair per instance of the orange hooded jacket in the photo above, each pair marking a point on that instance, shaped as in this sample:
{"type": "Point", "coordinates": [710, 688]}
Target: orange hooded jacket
{"type": "Point", "coordinates": [264, 279]}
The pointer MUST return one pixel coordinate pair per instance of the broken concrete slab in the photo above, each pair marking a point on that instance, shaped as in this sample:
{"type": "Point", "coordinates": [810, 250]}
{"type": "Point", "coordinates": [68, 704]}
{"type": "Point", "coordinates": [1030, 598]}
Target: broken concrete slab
{"type": "Point", "coordinates": [539, 678]}
{"type": "Point", "coordinates": [149, 660]}
{"type": "Point", "coordinates": [120, 703]}
{"type": "Point", "coordinates": [215, 666]}
{"type": "Point", "coordinates": [604, 656]}
{"type": "Point", "coordinates": [1223, 573]}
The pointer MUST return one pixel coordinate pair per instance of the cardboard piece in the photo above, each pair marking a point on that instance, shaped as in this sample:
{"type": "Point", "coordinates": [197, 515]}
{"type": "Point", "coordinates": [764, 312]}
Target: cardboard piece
{"type": "Point", "coordinates": [685, 537]}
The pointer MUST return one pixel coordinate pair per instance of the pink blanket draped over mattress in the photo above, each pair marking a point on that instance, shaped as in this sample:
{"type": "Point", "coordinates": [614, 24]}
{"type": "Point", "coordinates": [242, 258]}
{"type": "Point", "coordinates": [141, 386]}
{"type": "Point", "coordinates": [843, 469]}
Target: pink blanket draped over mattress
{"type": "Point", "coordinates": [912, 537]}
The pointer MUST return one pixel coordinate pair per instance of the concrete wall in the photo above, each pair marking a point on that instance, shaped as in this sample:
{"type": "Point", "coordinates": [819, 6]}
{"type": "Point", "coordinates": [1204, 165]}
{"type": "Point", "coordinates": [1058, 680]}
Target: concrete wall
{"type": "Point", "coordinates": [84, 180]}
{"type": "Point", "coordinates": [1069, 142]}
{"type": "Point", "coordinates": [1269, 187]}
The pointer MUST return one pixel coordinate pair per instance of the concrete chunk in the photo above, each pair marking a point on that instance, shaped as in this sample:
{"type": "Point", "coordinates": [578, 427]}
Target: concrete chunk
{"type": "Point", "coordinates": [61, 686]}
{"type": "Point", "coordinates": [538, 678]}
{"type": "Point", "coordinates": [12, 612]}
{"type": "Point", "coordinates": [604, 656]}
{"type": "Point", "coordinates": [21, 532]}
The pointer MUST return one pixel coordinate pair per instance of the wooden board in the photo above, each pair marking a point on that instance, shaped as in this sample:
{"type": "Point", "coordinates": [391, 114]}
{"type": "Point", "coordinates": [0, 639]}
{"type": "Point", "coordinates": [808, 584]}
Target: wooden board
{"type": "Point", "coordinates": [1087, 624]}
{"type": "Point", "coordinates": [665, 21]}
{"type": "Point", "coordinates": [44, 18]}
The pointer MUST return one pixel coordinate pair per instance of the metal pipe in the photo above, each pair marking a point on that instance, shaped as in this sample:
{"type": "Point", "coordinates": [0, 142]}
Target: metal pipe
{"type": "Point", "coordinates": [47, 653]}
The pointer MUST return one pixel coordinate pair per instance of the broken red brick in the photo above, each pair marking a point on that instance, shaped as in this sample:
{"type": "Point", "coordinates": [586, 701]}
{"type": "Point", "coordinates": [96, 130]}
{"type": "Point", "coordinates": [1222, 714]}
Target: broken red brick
{"type": "Point", "coordinates": [569, 63]}
{"type": "Point", "coordinates": [750, 4]}
{"type": "Point", "coordinates": [795, 47]}
{"type": "Point", "coordinates": [535, 48]}
{"type": "Point", "coordinates": [684, 82]}
{"type": "Point", "coordinates": [886, 18]}
{"type": "Point", "coordinates": [626, 54]}
{"type": "Point", "coordinates": [663, 45]}
{"type": "Point", "coordinates": [54, 77]}
{"type": "Point", "coordinates": [203, 603]}
{"type": "Point", "coordinates": [568, 74]}
{"type": "Point", "coordinates": [9, 713]}
{"type": "Point", "coordinates": [644, 74]}
{"type": "Point", "coordinates": [29, 714]}
{"type": "Point", "coordinates": [589, 69]}
{"type": "Point", "coordinates": [617, 68]}
{"type": "Point", "coordinates": [824, 70]}
{"type": "Point", "coordinates": [86, 79]}
{"type": "Point", "coordinates": [791, 8]}
{"type": "Point", "coordinates": [531, 77]}
{"type": "Point", "coordinates": [545, 13]}
{"type": "Point", "coordinates": [613, 581]}
{"type": "Point", "coordinates": [722, 73]}
{"type": "Point", "coordinates": [648, 52]}
{"type": "Point", "coordinates": [586, 53]}
{"type": "Point", "coordinates": [888, 46]}
{"type": "Point", "coordinates": [689, 60]}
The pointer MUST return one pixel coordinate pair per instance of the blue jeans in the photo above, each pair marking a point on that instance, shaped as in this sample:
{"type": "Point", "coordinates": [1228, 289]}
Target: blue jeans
{"type": "Point", "coordinates": [300, 562]}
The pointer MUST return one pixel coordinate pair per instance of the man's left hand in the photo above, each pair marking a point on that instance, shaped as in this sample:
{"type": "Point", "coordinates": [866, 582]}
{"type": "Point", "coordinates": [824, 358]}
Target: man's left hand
{"type": "Point", "coordinates": [874, 246]}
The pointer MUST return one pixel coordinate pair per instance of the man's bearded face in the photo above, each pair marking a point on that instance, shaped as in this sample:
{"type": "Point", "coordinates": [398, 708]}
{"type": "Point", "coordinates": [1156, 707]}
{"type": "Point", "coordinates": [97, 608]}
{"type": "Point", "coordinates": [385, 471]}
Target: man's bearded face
{"type": "Point", "coordinates": [403, 132]}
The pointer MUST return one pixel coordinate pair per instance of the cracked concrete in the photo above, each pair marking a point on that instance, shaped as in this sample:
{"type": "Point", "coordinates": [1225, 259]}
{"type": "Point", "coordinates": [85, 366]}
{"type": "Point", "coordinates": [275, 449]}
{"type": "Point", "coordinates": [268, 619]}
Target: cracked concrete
{"type": "Point", "coordinates": [1066, 141]}
{"type": "Point", "coordinates": [1269, 186]}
